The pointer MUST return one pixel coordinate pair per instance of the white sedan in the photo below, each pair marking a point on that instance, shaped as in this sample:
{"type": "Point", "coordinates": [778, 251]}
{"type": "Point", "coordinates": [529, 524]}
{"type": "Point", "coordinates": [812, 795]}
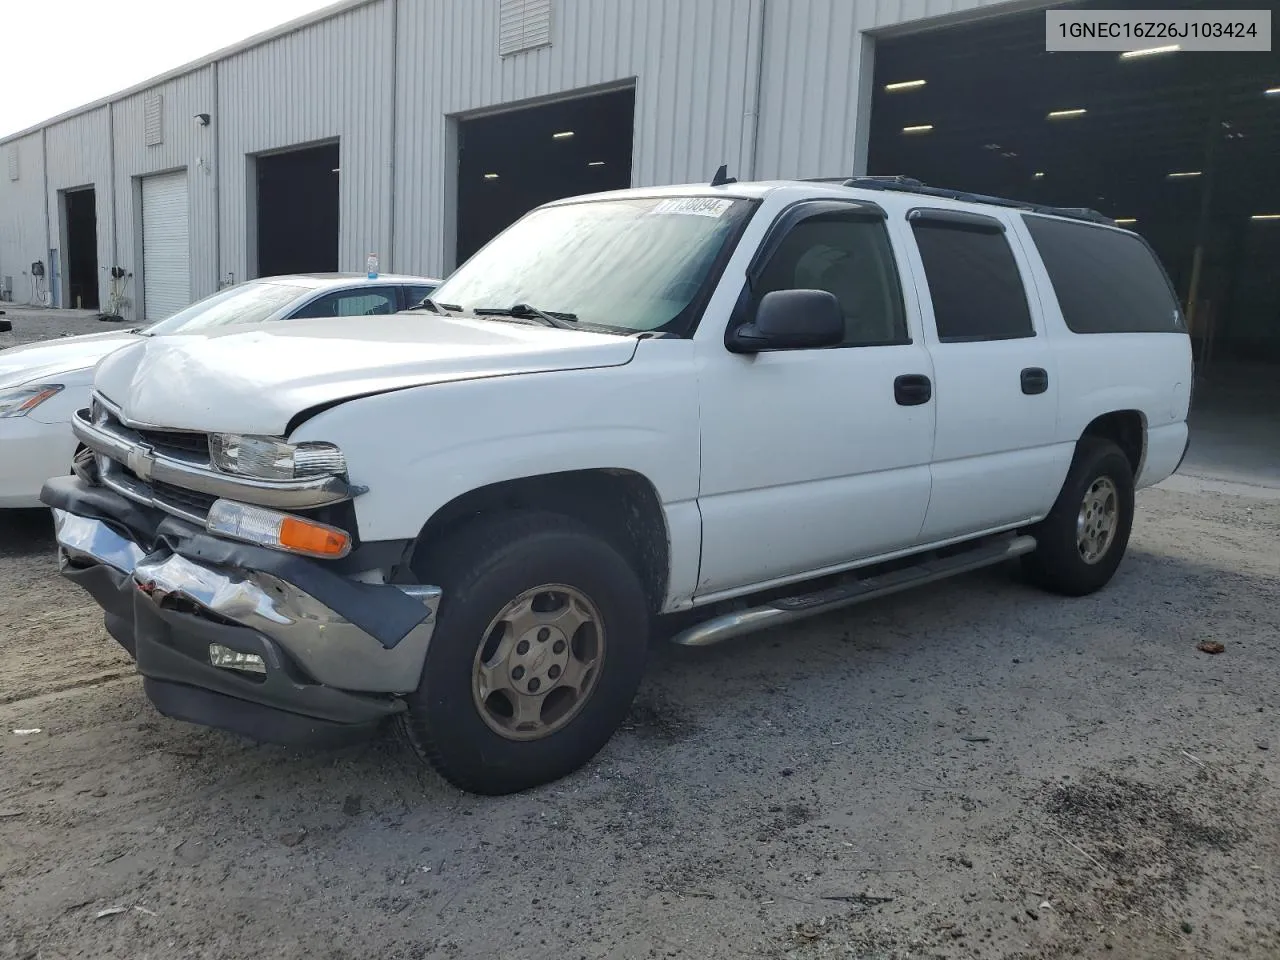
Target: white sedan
{"type": "Point", "coordinates": [43, 383]}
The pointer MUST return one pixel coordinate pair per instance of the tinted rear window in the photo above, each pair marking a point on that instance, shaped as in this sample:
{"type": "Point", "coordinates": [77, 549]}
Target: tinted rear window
{"type": "Point", "coordinates": [1105, 281]}
{"type": "Point", "coordinates": [973, 281]}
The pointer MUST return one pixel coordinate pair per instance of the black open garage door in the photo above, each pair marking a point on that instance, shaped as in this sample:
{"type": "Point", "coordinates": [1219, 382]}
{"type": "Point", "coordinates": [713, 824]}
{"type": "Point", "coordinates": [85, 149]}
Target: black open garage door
{"type": "Point", "coordinates": [511, 162]}
{"type": "Point", "coordinates": [298, 211]}
{"type": "Point", "coordinates": [1181, 146]}
{"type": "Point", "coordinates": [82, 248]}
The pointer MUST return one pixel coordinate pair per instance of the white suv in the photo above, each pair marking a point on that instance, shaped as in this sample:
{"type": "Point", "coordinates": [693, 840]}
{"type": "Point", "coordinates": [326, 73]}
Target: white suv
{"type": "Point", "coordinates": [748, 403]}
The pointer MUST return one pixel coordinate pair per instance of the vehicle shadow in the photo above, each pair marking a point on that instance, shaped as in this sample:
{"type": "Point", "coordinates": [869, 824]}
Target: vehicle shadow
{"type": "Point", "coordinates": [26, 533]}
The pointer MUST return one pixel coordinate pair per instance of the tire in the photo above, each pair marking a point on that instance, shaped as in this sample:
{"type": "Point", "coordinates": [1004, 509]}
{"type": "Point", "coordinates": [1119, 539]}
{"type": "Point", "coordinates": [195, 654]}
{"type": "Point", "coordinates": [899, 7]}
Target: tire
{"type": "Point", "coordinates": [1061, 562]}
{"type": "Point", "coordinates": [482, 569]}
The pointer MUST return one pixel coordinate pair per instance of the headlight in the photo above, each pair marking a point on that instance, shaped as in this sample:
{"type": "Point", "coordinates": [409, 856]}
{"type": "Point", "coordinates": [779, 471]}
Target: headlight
{"type": "Point", "coordinates": [20, 401]}
{"type": "Point", "coordinates": [269, 458]}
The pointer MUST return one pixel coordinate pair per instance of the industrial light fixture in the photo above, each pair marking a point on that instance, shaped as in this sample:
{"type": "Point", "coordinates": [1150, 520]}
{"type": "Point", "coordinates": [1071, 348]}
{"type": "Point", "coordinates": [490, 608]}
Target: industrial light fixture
{"type": "Point", "coordinates": [904, 85]}
{"type": "Point", "coordinates": [1038, 175]}
{"type": "Point", "coordinates": [562, 135]}
{"type": "Point", "coordinates": [1150, 51]}
{"type": "Point", "coordinates": [595, 163]}
{"type": "Point", "coordinates": [1265, 216]}
{"type": "Point", "coordinates": [1271, 92]}
{"type": "Point", "coordinates": [491, 176]}
{"type": "Point", "coordinates": [918, 128]}
{"type": "Point", "coordinates": [1182, 174]}
{"type": "Point", "coordinates": [1126, 220]}
{"type": "Point", "coordinates": [1064, 114]}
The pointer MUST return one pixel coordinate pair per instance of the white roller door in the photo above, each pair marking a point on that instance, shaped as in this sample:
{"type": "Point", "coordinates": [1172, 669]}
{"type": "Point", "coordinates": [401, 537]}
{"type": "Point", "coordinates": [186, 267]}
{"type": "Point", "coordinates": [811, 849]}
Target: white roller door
{"type": "Point", "coordinates": [166, 246]}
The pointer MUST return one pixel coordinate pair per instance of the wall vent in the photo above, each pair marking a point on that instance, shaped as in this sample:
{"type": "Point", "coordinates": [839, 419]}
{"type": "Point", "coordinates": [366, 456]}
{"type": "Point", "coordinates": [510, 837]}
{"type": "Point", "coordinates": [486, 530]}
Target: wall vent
{"type": "Point", "coordinates": [523, 25]}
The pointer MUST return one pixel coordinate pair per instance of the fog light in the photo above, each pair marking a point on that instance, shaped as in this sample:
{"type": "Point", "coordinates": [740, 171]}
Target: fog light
{"type": "Point", "coordinates": [229, 659]}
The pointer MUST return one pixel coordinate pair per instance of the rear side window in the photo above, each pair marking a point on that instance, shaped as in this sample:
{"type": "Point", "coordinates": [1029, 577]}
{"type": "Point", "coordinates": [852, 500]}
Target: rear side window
{"type": "Point", "coordinates": [1105, 281]}
{"type": "Point", "coordinates": [973, 282]}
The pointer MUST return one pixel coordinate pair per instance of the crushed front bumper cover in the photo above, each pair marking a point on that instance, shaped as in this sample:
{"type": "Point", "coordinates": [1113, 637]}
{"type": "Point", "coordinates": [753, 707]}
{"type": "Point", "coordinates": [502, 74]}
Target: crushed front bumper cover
{"type": "Point", "coordinates": [324, 677]}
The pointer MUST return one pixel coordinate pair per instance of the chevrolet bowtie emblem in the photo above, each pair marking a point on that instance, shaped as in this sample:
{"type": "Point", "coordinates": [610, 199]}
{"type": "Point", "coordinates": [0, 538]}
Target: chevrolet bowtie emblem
{"type": "Point", "coordinates": [141, 461]}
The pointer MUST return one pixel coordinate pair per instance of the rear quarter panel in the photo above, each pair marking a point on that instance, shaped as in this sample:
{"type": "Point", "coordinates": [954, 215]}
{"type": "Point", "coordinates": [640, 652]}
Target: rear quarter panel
{"type": "Point", "coordinates": [1100, 373]}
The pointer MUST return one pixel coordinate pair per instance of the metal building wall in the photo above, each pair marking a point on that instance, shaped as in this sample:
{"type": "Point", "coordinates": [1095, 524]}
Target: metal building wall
{"type": "Point", "coordinates": [328, 81]}
{"type": "Point", "coordinates": [22, 236]}
{"type": "Point", "coordinates": [78, 154]}
{"type": "Point", "coordinates": [689, 59]}
{"type": "Point", "coordinates": [185, 145]}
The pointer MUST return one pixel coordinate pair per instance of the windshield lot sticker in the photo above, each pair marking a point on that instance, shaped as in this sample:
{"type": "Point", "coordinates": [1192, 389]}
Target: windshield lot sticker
{"type": "Point", "coordinates": [694, 206]}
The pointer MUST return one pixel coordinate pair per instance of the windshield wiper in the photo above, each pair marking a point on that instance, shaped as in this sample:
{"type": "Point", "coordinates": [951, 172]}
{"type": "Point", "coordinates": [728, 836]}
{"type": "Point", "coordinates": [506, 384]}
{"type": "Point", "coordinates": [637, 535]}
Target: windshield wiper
{"type": "Point", "coordinates": [523, 311]}
{"type": "Point", "coordinates": [426, 303]}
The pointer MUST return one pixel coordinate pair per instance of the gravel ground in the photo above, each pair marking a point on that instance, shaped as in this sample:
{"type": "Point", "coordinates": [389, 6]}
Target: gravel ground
{"type": "Point", "coordinates": [31, 324]}
{"type": "Point", "coordinates": [975, 769]}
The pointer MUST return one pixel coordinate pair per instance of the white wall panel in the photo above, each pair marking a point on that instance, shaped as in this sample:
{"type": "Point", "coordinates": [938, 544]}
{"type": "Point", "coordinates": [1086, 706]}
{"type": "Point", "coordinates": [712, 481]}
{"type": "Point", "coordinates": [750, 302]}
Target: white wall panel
{"type": "Point", "coordinates": [328, 81]}
{"type": "Point", "coordinates": [22, 236]}
{"type": "Point", "coordinates": [688, 58]}
{"type": "Point", "coordinates": [185, 146]}
{"type": "Point", "coordinates": [79, 155]}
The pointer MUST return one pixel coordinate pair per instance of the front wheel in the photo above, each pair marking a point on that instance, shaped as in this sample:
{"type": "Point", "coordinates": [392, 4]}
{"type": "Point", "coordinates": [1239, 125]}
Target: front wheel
{"type": "Point", "coordinates": [536, 656]}
{"type": "Point", "coordinates": [1081, 542]}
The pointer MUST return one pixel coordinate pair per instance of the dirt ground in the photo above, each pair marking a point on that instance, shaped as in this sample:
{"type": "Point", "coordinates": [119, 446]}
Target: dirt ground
{"type": "Point", "coordinates": [975, 769]}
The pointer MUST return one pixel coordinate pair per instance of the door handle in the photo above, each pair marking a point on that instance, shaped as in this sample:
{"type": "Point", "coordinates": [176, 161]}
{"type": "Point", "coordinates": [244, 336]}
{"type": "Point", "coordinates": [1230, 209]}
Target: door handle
{"type": "Point", "coordinates": [1035, 380]}
{"type": "Point", "coordinates": [912, 389]}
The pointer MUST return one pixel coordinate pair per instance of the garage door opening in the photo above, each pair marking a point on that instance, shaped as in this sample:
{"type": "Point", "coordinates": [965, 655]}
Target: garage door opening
{"type": "Point", "coordinates": [511, 162]}
{"type": "Point", "coordinates": [82, 248]}
{"type": "Point", "coordinates": [1179, 146]}
{"type": "Point", "coordinates": [298, 211]}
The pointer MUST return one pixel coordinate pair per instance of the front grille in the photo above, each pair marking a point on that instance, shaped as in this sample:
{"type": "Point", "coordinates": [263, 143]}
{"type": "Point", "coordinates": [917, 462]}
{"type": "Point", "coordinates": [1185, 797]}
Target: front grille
{"type": "Point", "coordinates": [188, 500]}
{"type": "Point", "coordinates": [177, 442]}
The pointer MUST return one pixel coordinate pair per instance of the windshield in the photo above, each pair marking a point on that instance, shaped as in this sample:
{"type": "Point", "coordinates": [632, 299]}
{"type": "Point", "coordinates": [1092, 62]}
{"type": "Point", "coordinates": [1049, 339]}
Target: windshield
{"type": "Point", "coordinates": [631, 264]}
{"type": "Point", "coordinates": [250, 302]}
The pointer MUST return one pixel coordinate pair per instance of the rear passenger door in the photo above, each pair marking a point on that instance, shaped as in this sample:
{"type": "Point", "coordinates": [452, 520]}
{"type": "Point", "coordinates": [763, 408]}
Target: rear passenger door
{"type": "Point", "coordinates": [995, 462]}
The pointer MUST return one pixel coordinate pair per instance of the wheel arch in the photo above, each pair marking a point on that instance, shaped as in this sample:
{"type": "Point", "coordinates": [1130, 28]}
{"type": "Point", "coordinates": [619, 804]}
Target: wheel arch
{"type": "Point", "coordinates": [1127, 429]}
{"type": "Point", "coordinates": [622, 506]}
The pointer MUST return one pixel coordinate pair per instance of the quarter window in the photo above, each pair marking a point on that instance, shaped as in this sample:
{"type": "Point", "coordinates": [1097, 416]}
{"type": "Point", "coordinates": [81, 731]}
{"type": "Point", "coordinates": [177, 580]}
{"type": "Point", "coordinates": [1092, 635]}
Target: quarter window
{"type": "Point", "coordinates": [1106, 281]}
{"type": "Point", "coordinates": [974, 283]}
{"type": "Point", "coordinates": [849, 257]}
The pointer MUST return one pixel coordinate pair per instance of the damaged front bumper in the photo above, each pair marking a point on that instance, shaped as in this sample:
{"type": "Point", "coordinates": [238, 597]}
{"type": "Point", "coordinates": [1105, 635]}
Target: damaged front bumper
{"type": "Point", "coordinates": [322, 655]}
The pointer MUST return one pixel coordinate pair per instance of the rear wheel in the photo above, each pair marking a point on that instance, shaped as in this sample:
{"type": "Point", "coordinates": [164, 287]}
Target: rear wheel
{"type": "Point", "coordinates": [1081, 542]}
{"type": "Point", "coordinates": [536, 656]}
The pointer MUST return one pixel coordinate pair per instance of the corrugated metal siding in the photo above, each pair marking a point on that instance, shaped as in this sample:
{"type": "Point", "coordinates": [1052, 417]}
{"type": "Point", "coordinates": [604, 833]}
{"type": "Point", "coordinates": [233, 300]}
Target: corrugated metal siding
{"type": "Point", "coordinates": [187, 145]}
{"type": "Point", "coordinates": [329, 81]}
{"type": "Point", "coordinates": [79, 155]}
{"type": "Point", "coordinates": [22, 216]}
{"type": "Point", "coordinates": [689, 56]}
{"type": "Point", "coordinates": [333, 79]}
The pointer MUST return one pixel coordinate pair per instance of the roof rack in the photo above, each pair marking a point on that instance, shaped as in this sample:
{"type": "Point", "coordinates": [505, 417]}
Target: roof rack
{"type": "Point", "coordinates": [909, 185]}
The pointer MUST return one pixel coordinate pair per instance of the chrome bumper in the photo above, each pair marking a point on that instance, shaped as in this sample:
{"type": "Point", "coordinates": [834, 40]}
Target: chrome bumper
{"type": "Point", "coordinates": [331, 650]}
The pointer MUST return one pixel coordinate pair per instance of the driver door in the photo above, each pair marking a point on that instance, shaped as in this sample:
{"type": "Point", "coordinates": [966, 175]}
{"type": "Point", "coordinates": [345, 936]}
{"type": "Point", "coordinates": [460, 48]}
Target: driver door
{"type": "Point", "coordinates": [813, 459]}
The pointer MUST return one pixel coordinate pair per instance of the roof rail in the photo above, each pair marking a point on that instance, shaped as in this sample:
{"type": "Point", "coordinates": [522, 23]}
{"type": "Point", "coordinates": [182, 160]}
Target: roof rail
{"type": "Point", "coordinates": [908, 185]}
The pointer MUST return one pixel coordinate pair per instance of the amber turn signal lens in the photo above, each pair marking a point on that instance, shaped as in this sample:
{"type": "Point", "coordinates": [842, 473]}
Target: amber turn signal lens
{"type": "Point", "coordinates": [302, 536]}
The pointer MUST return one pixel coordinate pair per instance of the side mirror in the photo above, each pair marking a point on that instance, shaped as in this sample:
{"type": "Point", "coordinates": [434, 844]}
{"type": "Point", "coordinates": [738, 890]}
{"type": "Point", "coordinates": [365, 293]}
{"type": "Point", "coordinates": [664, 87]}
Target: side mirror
{"type": "Point", "coordinates": [791, 320]}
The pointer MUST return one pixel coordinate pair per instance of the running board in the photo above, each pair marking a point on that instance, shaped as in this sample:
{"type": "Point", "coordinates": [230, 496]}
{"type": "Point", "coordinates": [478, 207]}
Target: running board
{"type": "Point", "coordinates": [789, 609]}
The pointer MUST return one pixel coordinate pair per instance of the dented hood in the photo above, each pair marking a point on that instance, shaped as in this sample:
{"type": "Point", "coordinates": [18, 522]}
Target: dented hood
{"type": "Point", "coordinates": [255, 379]}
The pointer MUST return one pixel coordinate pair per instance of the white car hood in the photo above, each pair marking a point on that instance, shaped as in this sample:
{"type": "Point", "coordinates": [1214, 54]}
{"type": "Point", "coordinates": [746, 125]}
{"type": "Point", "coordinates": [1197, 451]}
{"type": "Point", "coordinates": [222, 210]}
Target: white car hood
{"type": "Point", "coordinates": [47, 359]}
{"type": "Point", "coordinates": [254, 379]}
